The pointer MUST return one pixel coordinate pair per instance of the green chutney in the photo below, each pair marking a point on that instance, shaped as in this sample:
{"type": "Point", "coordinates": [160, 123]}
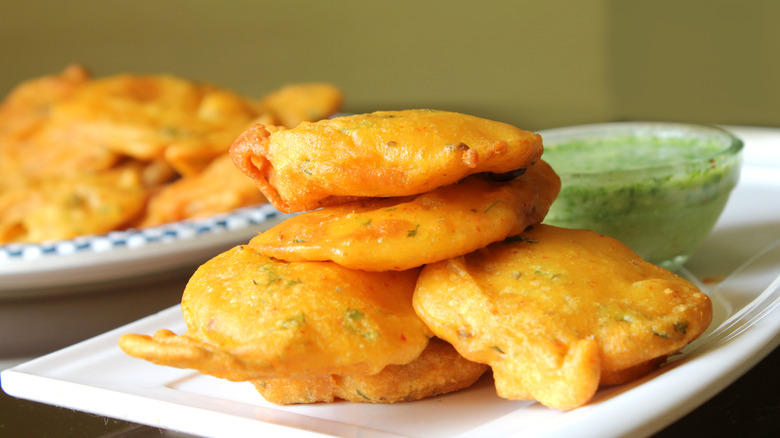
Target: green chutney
{"type": "Point", "coordinates": [660, 195]}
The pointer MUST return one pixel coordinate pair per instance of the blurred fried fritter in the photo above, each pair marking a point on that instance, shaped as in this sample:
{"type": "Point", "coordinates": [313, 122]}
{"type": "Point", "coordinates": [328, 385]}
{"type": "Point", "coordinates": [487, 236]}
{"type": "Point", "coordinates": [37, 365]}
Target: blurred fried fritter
{"type": "Point", "coordinates": [438, 370]}
{"type": "Point", "coordinates": [141, 116]}
{"type": "Point", "coordinates": [30, 103]}
{"type": "Point", "coordinates": [219, 188]}
{"type": "Point", "coordinates": [252, 317]}
{"type": "Point", "coordinates": [382, 154]}
{"type": "Point", "coordinates": [403, 233]}
{"type": "Point", "coordinates": [58, 129]}
{"type": "Point", "coordinates": [68, 207]}
{"type": "Point", "coordinates": [295, 103]}
{"type": "Point", "coordinates": [29, 148]}
{"type": "Point", "coordinates": [554, 310]}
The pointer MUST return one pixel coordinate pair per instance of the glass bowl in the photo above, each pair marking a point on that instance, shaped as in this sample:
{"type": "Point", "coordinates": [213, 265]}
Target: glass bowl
{"type": "Point", "coordinates": [657, 187]}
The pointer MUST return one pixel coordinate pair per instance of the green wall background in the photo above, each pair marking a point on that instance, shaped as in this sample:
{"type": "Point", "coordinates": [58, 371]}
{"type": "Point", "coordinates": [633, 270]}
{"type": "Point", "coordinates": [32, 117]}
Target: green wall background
{"type": "Point", "coordinates": [533, 63]}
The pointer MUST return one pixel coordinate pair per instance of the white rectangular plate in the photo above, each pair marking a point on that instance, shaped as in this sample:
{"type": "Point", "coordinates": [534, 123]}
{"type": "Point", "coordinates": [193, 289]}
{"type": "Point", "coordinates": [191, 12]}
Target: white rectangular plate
{"type": "Point", "coordinates": [96, 377]}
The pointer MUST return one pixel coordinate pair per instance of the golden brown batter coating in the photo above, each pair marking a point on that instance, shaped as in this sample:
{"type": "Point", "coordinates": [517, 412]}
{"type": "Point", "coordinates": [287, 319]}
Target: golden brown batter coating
{"type": "Point", "coordinates": [65, 131]}
{"type": "Point", "coordinates": [96, 202]}
{"type": "Point", "coordinates": [219, 188]}
{"type": "Point", "coordinates": [141, 116]}
{"type": "Point", "coordinates": [29, 103]}
{"type": "Point", "coordinates": [403, 233]}
{"type": "Point", "coordinates": [554, 310]}
{"type": "Point", "coordinates": [438, 370]}
{"type": "Point", "coordinates": [295, 103]}
{"type": "Point", "coordinates": [251, 317]}
{"type": "Point", "coordinates": [382, 154]}
{"type": "Point", "coordinates": [29, 147]}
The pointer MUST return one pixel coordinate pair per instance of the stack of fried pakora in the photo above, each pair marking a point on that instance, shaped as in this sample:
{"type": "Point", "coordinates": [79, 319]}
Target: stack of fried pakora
{"type": "Point", "coordinates": [86, 156]}
{"type": "Point", "coordinates": [420, 263]}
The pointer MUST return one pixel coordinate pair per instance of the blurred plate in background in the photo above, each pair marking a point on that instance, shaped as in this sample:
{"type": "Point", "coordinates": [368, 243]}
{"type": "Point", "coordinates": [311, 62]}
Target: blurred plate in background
{"type": "Point", "coordinates": [89, 263]}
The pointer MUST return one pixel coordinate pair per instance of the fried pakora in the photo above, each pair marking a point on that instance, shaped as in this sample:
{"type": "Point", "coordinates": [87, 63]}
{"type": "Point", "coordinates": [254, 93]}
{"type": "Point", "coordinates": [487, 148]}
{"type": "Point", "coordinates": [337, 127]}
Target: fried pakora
{"type": "Point", "coordinates": [553, 310]}
{"type": "Point", "coordinates": [438, 370]}
{"type": "Point", "coordinates": [69, 207]}
{"type": "Point", "coordinates": [382, 154]}
{"type": "Point", "coordinates": [141, 116]}
{"type": "Point", "coordinates": [295, 103]}
{"type": "Point", "coordinates": [403, 233]}
{"type": "Point", "coordinates": [64, 130]}
{"type": "Point", "coordinates": [219, 188]}
{"type": "Point", "coordinates": [251, 317]}
{"type": "Point", "coordinates": [29, 148]}
{"type": "Point", "coordinates": [418, 224]}
{"type": "Point", "coordinates": [29, 103]}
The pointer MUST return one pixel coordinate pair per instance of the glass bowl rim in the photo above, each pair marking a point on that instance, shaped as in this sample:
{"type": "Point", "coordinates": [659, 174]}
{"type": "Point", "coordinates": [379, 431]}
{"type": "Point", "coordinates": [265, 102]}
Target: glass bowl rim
{"type": "Point", "coordinates": [624, 128]}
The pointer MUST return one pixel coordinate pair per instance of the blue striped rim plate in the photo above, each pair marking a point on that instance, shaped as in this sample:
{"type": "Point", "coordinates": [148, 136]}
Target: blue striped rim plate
{"type": "Point", "coordinates": [49, 268]}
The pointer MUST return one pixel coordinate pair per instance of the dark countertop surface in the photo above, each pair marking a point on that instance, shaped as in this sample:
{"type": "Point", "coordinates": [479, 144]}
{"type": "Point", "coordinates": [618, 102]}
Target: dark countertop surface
{"type": "Point", "coordinates": [748, 407]}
